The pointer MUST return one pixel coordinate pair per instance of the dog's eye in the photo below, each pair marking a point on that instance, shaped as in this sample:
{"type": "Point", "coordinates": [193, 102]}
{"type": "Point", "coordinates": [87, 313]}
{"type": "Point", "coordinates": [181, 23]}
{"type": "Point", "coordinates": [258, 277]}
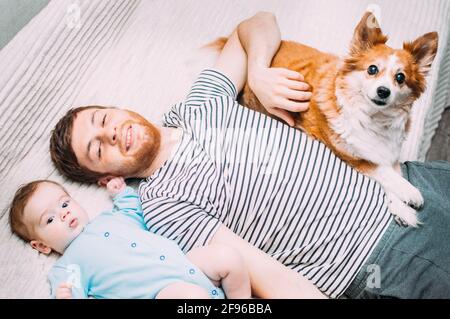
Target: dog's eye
{"type": "Point", "coordinates": [372, 70]}
{"type": "Point", "coordinates": [400, 78]}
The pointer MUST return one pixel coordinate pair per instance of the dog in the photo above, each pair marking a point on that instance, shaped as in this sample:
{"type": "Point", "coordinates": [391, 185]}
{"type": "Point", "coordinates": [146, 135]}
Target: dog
{"type": "Point", "coordinates": [361, 103]}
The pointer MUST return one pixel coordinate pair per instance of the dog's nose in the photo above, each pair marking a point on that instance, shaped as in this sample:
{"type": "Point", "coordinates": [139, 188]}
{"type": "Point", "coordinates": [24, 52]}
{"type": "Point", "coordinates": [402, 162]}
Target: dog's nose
{"type": "Point", "coordinates": [383, 92]}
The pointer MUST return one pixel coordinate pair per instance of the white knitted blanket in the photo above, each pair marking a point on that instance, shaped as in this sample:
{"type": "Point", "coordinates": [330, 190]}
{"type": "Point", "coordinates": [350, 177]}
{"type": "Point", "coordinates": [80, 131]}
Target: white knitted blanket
{"type": "Point", "coordinates": [138, 54]}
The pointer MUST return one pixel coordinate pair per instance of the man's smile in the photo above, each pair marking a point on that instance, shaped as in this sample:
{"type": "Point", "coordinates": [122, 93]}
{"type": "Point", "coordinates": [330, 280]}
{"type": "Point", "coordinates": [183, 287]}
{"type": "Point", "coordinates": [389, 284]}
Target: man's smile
{"type": "Point", "coordinates": [129, 138]}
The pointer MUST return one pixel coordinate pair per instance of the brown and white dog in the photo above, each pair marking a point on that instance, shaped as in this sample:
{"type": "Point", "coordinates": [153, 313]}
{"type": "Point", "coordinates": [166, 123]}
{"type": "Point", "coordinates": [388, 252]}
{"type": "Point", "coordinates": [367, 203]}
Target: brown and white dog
{"type": "Point", "coordinates": [361, 103]}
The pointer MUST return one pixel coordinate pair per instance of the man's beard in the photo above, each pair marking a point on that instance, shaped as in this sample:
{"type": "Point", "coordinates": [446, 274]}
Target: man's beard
{"type": "Point", "coordinates": [147, 151]}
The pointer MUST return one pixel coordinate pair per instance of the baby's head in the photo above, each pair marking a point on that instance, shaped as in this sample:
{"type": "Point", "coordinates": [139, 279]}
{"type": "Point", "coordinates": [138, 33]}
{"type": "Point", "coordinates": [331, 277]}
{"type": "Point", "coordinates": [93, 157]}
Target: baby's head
{"type": "Point", "coordinates": [43, 214]}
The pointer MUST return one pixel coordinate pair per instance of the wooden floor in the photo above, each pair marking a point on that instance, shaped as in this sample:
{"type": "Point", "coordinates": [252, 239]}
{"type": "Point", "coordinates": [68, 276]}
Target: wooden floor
{"type": "Point", "coordinates": [440, 145]}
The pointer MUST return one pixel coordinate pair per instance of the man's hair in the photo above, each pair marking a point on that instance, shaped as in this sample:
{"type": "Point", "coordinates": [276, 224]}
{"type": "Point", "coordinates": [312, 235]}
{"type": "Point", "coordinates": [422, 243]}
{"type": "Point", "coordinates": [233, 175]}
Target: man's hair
{"type": "Point", "coordinates": [20, 200]}
{"type": "Point", "coordinates": [62, 153]}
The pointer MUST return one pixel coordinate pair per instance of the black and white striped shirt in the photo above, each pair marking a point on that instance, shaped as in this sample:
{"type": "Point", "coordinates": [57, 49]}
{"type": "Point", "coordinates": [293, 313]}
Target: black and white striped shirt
{"type": "Point", "coordinates": [271, 184]}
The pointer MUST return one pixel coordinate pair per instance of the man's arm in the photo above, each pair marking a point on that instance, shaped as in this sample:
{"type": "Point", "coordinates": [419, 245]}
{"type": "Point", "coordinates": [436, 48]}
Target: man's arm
{"type": "Point", "coordinates": [269, 278]}
{"type": "Point", "coordinates": [232, 61]}
{"type": "Point", "coordinates": [279, 90]}
{"type": "Point", "coordinates": [190, 226]}
{"type": "Point", "coordinates": [251, 48]}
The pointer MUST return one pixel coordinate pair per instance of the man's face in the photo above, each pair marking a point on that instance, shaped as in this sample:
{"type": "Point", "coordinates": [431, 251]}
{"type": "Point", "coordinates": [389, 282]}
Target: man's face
{"type": "Point", "coordinates": [114, 141]}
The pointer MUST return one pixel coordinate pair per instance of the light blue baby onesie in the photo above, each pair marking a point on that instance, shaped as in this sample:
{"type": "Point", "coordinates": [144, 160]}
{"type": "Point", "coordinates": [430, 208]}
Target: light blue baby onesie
{"type": "Point", "coordinates": [115, 256]}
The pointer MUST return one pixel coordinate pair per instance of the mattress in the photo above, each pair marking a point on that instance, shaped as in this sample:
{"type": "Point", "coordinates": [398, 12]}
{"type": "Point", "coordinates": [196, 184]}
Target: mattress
{"type": "Point", "coordinates": [140, 55]}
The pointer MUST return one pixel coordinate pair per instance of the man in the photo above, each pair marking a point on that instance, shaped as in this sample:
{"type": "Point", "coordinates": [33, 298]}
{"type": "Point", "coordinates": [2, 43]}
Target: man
{"type": "Point", "coordinates": [220, 173]}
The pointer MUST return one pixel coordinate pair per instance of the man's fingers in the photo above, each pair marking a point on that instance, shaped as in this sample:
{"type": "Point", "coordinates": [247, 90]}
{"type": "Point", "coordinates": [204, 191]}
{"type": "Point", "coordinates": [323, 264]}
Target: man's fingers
{"type": "Point", "coordinates": [293, 75]}
{"type": "Point", "coordinates": [298, 95]}
{"type": "Point", "coordinates": [299, 106]}
{"type": "Point", "coordinates": [293, 106]}
{"type": "Point", "coordinates": [298, 85]}
{"type": "Point", "coordinates": [284, 115]}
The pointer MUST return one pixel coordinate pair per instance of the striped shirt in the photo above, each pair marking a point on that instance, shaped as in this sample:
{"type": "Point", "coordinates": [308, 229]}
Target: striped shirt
{"type": "Point", "coordinates": [271, 184]}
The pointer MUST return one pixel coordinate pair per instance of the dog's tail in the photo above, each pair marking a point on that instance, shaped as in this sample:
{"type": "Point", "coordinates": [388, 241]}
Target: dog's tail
{"type": "Point", "coordinates": [216, 45]}
{"type": "Point", "coordinates": [203, 58]}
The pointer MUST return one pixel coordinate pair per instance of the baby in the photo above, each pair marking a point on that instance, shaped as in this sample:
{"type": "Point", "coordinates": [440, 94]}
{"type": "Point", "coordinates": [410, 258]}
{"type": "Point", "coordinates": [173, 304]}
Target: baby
{"type": "Point", "coordinates": [114, 255]}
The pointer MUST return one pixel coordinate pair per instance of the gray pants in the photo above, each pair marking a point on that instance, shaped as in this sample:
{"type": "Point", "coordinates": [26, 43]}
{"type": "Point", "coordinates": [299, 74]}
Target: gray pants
{"type": "Point", "coordinates": [413, 262]}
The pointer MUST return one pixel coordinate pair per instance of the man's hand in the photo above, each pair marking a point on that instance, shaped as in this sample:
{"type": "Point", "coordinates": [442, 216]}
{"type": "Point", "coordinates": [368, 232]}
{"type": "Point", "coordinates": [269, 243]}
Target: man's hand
{"type": "Point", "coordinates": [116, 185]}
{"type": "Point", "coordinates": [64, 291]}
{"type": "Point", "coordinates": [279, 90]}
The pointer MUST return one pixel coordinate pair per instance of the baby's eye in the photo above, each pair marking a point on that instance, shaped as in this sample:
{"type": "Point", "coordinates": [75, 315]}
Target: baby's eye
{"type": "Point", "coordinates": [49, 220]}
{"type": "Point", "coordinates": [65, 204]}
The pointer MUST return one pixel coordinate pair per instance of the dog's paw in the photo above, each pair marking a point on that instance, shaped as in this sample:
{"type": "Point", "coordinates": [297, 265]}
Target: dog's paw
{"type": "Point", "coordinates": [404, 215]}
{"type": "Point", "coordinates": [400, 221]}
{"type": "Point", "coordinates": [395, 184]}
{"type": "Point", "coordinates": [416, 199]}
{"type": "Point", "coordinates": [410, 195]}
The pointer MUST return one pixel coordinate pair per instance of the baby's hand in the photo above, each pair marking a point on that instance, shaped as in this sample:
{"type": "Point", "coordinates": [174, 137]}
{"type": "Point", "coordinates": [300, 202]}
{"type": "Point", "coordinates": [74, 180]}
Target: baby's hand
{"type": "Point", "coordinates": [116, 185]}
{"type": "Point", "coordinates": [64, 291]}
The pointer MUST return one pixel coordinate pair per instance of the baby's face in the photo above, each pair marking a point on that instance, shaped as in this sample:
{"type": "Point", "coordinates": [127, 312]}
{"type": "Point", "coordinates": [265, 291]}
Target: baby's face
{"type": "Point", "coordinates": [54, 218]}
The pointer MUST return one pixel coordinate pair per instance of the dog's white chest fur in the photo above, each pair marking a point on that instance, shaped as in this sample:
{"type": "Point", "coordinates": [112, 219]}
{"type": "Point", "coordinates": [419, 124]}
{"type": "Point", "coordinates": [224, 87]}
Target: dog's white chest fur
{"type": "Point", "coordinates": [376, 137]}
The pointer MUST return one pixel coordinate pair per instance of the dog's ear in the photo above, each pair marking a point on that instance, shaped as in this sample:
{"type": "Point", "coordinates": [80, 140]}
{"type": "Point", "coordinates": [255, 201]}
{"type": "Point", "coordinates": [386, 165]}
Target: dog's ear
{"type": "Point", "coordinates": [423, 50]}
{"type": "Point", "coordinates": [367, 34]}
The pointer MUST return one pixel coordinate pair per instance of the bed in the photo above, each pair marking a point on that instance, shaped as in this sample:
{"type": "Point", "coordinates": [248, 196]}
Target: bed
{"type": "Point", "coordinates": [140, 55]}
